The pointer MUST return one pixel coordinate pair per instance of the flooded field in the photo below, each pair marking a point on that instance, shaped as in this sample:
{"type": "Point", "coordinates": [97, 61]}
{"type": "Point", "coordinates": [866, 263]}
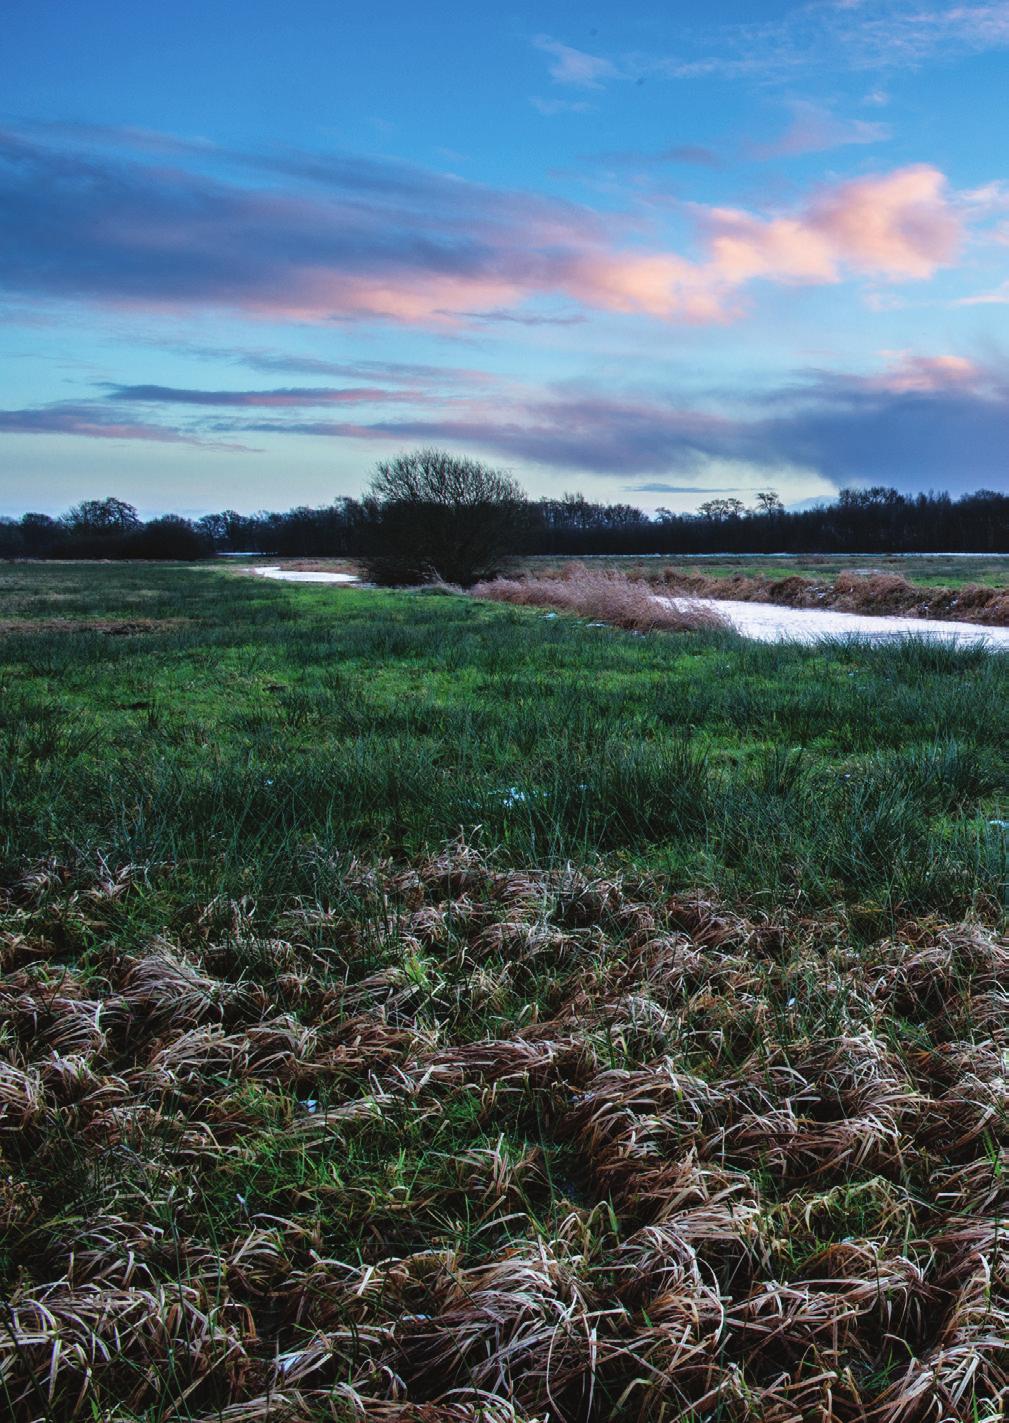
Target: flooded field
{"type": "Point", "coordinates": [297, 575]}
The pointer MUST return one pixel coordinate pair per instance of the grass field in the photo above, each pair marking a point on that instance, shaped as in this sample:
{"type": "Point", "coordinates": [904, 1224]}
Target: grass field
{"type": "Point", "coordinates": [431, 1011]}
{"type": "Point", "coordinates": [930, 570]}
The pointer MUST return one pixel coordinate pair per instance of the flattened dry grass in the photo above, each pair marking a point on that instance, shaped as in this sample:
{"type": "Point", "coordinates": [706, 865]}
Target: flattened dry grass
{"type": "Point", "coordinates": [463, 1143]}
{"type": "Point", "coordinates": [604, 594]}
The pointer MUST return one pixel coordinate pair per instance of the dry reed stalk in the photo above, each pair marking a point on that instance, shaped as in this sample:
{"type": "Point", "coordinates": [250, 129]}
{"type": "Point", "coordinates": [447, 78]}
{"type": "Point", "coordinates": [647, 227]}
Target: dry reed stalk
{"type": "Point", "coordinates": [603, 596]}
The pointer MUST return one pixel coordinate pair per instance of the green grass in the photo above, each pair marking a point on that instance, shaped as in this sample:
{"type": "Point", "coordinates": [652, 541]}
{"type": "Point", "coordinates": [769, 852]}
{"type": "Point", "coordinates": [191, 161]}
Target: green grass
{"type": "Point", "coordinates": [308, 1113]}
{"type": "Point", "coordinates": [274, 730]}
{"type": "Point", "coordinates": [930, 570]}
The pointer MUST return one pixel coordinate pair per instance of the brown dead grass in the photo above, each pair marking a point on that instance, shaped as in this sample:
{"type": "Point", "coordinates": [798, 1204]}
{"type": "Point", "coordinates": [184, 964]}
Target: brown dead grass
{"type": "Point", "coordinates": [882, 594]}
{"type": "Point", "coordinates": [603, 595]}
{"type": "Point", "coordinates": [717, 1167]}
{"type": "Point", "coordinates": [109, 627]}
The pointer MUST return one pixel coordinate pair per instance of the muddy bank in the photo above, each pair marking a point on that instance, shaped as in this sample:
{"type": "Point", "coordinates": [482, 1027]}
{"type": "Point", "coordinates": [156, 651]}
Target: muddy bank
{"type": "Point", "coordinates": [768, 622]}
{"type": "Point", "coordinates": [873, 595]}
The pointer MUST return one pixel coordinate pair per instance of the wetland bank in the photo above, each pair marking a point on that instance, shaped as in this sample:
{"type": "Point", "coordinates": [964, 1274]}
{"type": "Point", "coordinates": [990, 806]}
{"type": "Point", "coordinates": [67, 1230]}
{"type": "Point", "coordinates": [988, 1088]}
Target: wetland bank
{"type": "Point", "coordinates": [418, 1008]}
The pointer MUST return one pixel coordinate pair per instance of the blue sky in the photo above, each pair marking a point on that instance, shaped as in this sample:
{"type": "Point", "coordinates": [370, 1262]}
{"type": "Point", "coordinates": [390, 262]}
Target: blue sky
{"type": "Point", "coordinates": [246, 252]}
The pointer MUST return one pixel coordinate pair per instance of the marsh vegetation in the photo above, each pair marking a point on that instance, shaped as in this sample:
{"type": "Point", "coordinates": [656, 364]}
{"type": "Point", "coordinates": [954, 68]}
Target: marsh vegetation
{"type": "Point", "coordinates": [432, 1011]}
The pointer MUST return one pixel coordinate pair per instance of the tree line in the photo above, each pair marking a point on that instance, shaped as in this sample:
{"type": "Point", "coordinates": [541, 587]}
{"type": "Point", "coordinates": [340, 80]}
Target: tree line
{"type": "Point", "coordinates": [429, 514]}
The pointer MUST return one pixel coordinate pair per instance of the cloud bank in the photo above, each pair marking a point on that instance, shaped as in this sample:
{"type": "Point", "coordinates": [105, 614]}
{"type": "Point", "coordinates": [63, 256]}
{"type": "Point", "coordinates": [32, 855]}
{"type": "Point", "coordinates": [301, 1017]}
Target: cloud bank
{"type": "Point", "coordinates": [338, 238]}
{"type": "Point", "coordinates": [919, 421]}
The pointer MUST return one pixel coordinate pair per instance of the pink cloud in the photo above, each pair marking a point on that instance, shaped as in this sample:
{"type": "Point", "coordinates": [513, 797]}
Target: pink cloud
{"type": "Point", "coordinates": [292, 398]}
{"type": "Point", "coordinates": [744, 247]}
{"type": "Point", "coordinates": [911, 374]}
{"type": "Point", "coordinates": [396, 243]}
{"type": "Point", "coordinates": [899, 225]}
{"type": "Point", "coordinates": [815, 129]}
{"type": "Point", "coordinates": [663, 286]}
{"type": "Point", "coordinates": [94, 423]}
{"type": "Point", "coordinates": [408, 297]}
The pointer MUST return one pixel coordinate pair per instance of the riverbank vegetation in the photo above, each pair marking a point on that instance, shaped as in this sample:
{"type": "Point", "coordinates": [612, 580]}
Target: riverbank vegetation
{"type": "Point", "coordinates": [602, 595]}
{"type": "Point", "coordinates": [432, 1011]}
{"type": "Point", "coordinates": [614, 583]}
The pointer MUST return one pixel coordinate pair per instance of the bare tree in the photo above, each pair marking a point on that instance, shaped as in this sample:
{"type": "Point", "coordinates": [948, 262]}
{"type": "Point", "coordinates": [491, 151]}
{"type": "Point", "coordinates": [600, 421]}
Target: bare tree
{"type": "Point", "coordinates": [103, 516]}
{"type": "Point", "coordinates": [436, 515]}
{"type": "Point", "coordinates": [769, 502]}
{"type": "Point", "coordinates": [719, 509]}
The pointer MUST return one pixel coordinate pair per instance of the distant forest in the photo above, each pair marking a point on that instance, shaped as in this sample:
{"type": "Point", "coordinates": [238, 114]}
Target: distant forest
{"type": "Point", "coordinates": [870, 520]}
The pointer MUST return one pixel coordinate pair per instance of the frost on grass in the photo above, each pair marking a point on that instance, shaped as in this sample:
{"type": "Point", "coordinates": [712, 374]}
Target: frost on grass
{"type": "Point", "coordinates": [473, 1145]}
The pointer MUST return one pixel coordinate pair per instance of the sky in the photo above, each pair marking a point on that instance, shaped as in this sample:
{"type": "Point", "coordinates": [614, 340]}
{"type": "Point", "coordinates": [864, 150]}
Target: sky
{"type": "Point", "coordinates": [651, 253]}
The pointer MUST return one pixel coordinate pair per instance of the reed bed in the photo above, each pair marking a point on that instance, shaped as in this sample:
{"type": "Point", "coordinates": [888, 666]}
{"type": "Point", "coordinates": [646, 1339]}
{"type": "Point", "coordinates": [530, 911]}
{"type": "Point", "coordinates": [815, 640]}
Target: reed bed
{"type": "Point", "coordinates": [469, 1142]}
{"type": "Point", "coordinates": [607, 596]}
{"type": "Point", "coordinates": [627, 599]}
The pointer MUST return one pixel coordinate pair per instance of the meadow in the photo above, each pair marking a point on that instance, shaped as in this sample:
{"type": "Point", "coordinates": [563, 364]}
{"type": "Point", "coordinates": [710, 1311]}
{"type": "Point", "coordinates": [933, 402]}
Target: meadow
{"type": "Point", "coordinates": [417, 1008]}
{"type": "Point", "coordinates": [929, 570]}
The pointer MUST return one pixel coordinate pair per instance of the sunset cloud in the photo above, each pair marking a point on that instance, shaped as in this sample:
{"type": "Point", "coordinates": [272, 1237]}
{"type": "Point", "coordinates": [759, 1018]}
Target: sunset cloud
{"type": "Point", "coordinates": [909, 373]}
{"type": "Point", "coordinates": [908, 424]}
{"type": "Point", "coordinates": [899, 225]}
{"type": "Point", "coordinates": [398, 244]}
{"type": "Point", "coordinates": [89, 421]}
{"type": "Point", "coordinates": [919, 419]}
{"type": "Point", "coordinates": [814, 129]}
{"type": "Point", "coordinates": [295, 397]}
